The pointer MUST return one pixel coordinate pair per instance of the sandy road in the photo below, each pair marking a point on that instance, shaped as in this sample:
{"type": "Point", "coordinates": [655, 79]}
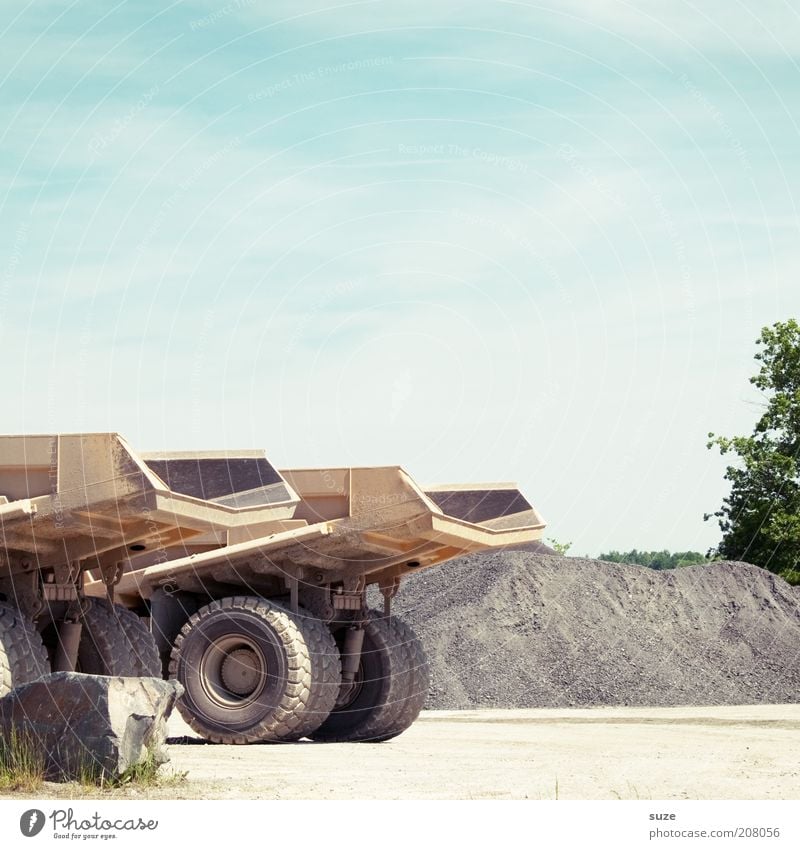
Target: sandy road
{"type": "Point", "coordinates": [602, 753]}
{"type": "Point", "coordinates": [599, 753]}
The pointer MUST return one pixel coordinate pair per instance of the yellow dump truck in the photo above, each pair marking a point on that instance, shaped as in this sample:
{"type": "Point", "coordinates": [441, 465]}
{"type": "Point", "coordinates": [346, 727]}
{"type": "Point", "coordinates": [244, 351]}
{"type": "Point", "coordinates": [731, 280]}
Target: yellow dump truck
{"type": "Point", "coordinates": [247, 584]}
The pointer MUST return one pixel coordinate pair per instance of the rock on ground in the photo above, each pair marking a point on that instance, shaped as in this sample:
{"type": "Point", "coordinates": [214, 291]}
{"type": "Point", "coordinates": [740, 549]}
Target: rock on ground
{"type": "Point", "coordinates": [89, 724]}
{"type": "Point", "coordinates": [519, 629]}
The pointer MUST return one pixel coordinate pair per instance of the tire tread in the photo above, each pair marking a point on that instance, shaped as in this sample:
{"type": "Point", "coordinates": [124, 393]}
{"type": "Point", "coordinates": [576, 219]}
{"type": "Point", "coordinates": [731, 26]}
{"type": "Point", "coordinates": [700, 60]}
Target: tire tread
{"type": "Point", "coordinates": [23, 657]}
{"type": "Point", "coordinates": [406, 668]}
{"type": "Point", "coordinates": [119, 640]}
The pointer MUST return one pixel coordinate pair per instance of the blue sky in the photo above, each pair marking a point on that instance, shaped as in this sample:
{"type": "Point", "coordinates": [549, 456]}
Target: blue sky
{"type": "Point", "coordinates": [485, 241]}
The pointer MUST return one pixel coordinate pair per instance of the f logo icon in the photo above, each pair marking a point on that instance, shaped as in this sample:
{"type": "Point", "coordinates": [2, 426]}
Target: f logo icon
{"type": "Point", "coordinates": [31, 822]}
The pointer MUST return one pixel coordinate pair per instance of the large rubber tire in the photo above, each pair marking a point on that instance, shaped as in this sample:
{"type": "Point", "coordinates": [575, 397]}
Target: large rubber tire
{"type": "Point", "coordinates": [391, 686]}
{"type": "Point", "coordinates": [416, 686]}
{"type": "Point", "coordinates": [254, 672]}
{"type": "Point", "coordinates": [326, 676]}
{"type": "Point", "coordinates": [115, 641]}
{"type": "Point", "coordinates": [23, 657]}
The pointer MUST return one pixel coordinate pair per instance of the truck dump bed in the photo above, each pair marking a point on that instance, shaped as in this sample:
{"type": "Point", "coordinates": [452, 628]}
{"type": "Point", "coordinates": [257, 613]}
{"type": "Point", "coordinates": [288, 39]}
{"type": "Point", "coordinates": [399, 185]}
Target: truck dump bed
{"type": "Point", "coordinates": [88, 499]}
{"type": "Point", "coordinates": [375, 522]}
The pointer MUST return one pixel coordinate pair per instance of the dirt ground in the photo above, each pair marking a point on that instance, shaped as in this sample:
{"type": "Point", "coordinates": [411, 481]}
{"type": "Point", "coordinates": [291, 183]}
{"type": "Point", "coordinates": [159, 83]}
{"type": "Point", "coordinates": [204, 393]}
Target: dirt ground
{"type": "Point", "coordinates": [598, 753]}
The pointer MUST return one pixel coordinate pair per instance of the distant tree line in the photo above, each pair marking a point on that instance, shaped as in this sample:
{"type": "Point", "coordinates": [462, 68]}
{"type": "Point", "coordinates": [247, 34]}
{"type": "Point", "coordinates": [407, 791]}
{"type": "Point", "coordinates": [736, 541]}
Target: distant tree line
{"type": "Point", "coordinates": [655, 559]}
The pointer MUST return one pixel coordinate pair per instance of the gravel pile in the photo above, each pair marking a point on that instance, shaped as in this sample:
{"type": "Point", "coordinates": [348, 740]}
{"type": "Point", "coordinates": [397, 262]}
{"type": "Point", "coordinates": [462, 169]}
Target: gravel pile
{"type": "Point", "coordinates": [523, 629]}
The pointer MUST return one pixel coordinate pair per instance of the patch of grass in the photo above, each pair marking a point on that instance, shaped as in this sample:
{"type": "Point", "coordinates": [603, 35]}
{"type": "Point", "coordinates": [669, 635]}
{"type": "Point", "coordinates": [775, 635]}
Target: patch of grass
{"type": "Point", "coordinates": [147, 773]}
{"type": "Point", "coordinates": [22, 764]}
{"type": "Point", "coordinates": [23, 770]}
{"type": "Point", "coordinates": [632, 792]}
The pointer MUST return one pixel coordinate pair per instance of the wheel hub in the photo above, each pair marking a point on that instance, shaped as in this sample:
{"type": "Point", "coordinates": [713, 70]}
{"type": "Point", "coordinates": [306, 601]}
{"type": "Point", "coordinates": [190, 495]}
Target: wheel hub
{"type": "Point", "coordinates": [241, 671]}
{"type": "Point", "coordinates": [233, 671]}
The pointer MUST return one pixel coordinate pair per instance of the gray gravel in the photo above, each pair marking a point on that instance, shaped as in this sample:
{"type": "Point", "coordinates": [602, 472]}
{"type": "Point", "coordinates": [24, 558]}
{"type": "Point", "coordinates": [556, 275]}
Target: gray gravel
{"type": "Point", "coordinates": [521, 629]}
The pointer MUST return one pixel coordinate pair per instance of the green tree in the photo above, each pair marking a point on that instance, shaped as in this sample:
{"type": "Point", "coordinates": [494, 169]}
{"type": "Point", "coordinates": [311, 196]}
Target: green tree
{"type": "Point", "coordinates": [760, 519]}
{"type": "Point", "coordinates": [655, 559]}
{"type": "Point", "coordinates": [559, 547]}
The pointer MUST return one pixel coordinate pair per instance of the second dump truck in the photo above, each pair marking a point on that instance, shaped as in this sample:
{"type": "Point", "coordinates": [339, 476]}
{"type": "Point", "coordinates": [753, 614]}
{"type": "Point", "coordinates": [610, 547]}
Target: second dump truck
{"type": "Point", "coordinates": [247, 584]}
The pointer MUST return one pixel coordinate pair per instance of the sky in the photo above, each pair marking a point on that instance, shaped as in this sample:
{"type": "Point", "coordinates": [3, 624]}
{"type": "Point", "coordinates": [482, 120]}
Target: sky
{"type": "Point", "coordinates": [486, 242]}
